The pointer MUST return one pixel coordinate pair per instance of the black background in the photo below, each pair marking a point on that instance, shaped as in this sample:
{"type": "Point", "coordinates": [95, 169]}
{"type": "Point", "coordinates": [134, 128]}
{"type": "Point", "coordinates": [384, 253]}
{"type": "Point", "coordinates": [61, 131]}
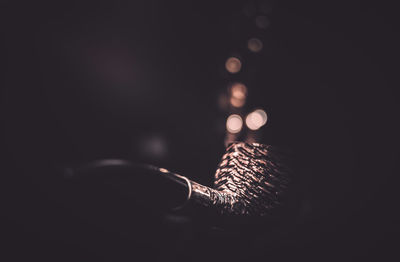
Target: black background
{"type": "Point", "coordinates": [86, 81]}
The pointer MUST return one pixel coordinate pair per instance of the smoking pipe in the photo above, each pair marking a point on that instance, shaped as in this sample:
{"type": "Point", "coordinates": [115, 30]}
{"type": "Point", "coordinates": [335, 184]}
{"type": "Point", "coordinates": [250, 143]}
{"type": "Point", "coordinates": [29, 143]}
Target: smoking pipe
{"type": "Point", "coordinates": [251, 180]}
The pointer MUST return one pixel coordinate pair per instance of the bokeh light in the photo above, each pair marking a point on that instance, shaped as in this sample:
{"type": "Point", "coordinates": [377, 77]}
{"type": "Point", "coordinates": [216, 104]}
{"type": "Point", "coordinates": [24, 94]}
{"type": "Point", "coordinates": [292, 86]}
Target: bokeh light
{"type": "Point", "coordinates": [238, 93]}
{"type": "Point", "coordinates": [234, 124]}
{"type": "Point", "coordinates": [237, 102]}
{"type": "Point", "coordinates": [233, 65]}
{"type": "Point", "coordinates": [153, 146]}
{"type": "Point", "coordinates": [256, 119]}
{"type": "Point", "coordinates": [255, 45]}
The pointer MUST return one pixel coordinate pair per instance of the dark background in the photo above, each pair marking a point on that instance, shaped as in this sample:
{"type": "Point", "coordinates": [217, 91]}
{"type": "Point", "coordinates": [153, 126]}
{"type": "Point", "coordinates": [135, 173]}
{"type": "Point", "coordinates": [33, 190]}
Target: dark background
{"type": "Point", "coordinates": [86, 81]}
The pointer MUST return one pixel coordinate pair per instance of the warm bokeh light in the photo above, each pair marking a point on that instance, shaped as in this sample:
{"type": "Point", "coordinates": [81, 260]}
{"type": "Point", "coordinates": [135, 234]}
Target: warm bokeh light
{"type": "Point", "coordinates": [262, 22]}
{"type": "Point", "coordinates": [256, 119]}
{"type": "Point", "coordinates": [234, 124]}
{"type": "Point", "coordinates": [237, 102]}
{"type": "Point", "coordinates": [233, 65]}
{"type": "Point", "coordinates": [255, 45]}
{"type": "Point", "coordinates": [238, 92]}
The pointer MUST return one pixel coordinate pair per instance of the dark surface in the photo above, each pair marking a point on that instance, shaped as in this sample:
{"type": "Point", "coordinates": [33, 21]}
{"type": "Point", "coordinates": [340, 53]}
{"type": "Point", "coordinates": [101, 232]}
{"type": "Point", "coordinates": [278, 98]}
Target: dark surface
{"type": "Point", "coordinates": [86, 81]}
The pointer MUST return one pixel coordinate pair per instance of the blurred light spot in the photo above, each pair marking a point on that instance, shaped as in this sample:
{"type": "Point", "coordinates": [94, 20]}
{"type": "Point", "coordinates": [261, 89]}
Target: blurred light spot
{"type": "Point", "coordinates": [239, 90]}
{"type": "Point", "coordinates": [234, 124]}
{"type": "Point", "coordinates": [163, 170]}
{"type": "Point", "coordinates": [238, 93]}
{"type": "Point", "coordinates": [110, 162]}
{"type": "Point", "coordinates": [153, 146]}
{"type": "Point", "coordinates": [255, 45]}
{"type": "Point", "coordinates": [256, 119]}
{"type": "Point", "coordinates": [233, 65]}
{"type": "Point", "coordinates": [237, 102]}
{"type": "Point", "coordinates": [262, 22]}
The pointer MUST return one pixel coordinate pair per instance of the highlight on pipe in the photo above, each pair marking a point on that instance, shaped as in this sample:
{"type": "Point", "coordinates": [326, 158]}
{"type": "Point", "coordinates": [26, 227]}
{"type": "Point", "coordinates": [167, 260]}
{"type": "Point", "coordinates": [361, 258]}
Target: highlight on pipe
{"type": "Point", "coordinates": [250, 180]}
